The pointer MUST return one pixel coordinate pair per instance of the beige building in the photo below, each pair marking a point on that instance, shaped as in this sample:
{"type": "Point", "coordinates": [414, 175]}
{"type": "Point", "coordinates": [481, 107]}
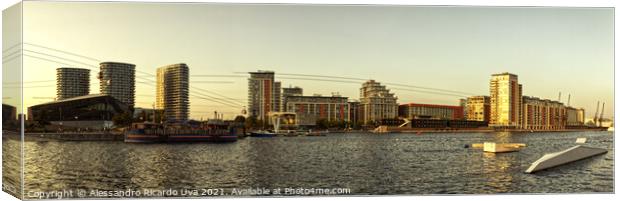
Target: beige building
{"type": "Point", "coordinates": [173, 92]}
{"type": "Point", "coordinates": [506, 93]}
{"type": "Point", "coordinates": [543, 114]}
{"type": "Point", "coordinates": [575, 116]}
{"type": "Point", "coordinates": [376, 102]}
{"type": "Point", "coordinates": [309, 109]}
{"type": "Point", "coordinates": [478, 108]}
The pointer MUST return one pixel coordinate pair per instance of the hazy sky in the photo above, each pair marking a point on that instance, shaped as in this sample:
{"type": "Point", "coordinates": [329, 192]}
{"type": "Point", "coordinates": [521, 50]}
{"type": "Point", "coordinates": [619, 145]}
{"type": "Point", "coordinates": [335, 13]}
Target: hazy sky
{"type": "Point", "coordinates": [453, 48]}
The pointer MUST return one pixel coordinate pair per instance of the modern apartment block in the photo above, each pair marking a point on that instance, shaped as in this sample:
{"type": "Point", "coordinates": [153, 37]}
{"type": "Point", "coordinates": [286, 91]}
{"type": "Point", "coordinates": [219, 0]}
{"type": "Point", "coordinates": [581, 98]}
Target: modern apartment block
{"type": "Point", "coordinates": [173, 92]}
{"type": "Point", "coordinates": [430, 111]}
{"type": "Point", "coordinates": [506, 93]}
{"type": "Point", "coordinates": [309, 109]}
{"type": "Point", "coordinates": [119, 81]}
{"type": "Point", "coordinates": [543, 114]}
{"type": "Point", "coordinates": [72, 82]}
{"type": "Point", "coordinates": [376, 102]}
{"type": "Point", "coordinates": [478, 108]}
{"type": "Point", "coordinates": [264, 94]}
{"type": "Point", "coordinates": [290, 91]}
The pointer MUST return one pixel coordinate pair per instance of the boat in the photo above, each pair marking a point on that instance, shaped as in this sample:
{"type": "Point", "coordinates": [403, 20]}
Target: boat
{"type": "Point", "coordinates": [211, 131]}
{"type": "Point", "coordinates": [501, 147]}
{"type": "Point", "coordinates": [572, 154]}
{"type": "Point", "coordinates": [262, 133]}
{"type": "Point", "coordinates": [317, 133]}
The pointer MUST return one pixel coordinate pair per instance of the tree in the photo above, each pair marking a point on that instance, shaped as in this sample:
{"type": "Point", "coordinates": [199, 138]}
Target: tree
{"type": "Point", "coordinates": [122, 119]}
{"type": "Point", "coordinates": [240, 119]}
{"type": "Point", "coordinates": [250, 122]}
{"type": "Point", "coordinates": [322, 123]}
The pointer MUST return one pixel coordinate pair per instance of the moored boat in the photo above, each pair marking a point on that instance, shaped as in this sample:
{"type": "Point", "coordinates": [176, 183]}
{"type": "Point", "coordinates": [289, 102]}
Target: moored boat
{"type": "Point", "coordinates": [212, 131]}
{"type": "Point", "coordinates": [262, 133]}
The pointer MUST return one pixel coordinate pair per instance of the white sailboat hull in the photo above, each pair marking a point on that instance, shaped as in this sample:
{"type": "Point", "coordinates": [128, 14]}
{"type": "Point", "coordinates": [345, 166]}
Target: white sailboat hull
{"type": "Point", "coordinates": [563, 157]}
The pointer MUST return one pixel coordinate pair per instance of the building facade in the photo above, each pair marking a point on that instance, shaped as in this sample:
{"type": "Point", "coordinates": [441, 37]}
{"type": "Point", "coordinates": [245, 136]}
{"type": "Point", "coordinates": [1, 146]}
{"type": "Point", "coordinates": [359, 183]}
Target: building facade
{"type": "Point", "coordinates": [173, 92]}
{"type": "Point", "coordinates": [119, 81]}
{"type": "Point", "coordinates": [430, 111]}
{"type": "Point", "coordinates": [264, 94]}
{"type": "Point", "coordinates": [377, 103]}
{"type": "Point", "coordinates": [575, 116]}
{"type": "Point", "coordinates": [355, 116]}
{"type": "Point", "coordinates": [506, 93]}
{"type": "Point", "coordinates": [90, 111]}
{"type": "Point", "coordinates": [478, 108]}
{"type": "Point", "coordinates": [72, 82]}
{"type": "Point", "coordinates": [290, 91]}
{"type": "Point", "coordinates": [543, 114]}
{"type": "Point", "coordinates": [309, 109]}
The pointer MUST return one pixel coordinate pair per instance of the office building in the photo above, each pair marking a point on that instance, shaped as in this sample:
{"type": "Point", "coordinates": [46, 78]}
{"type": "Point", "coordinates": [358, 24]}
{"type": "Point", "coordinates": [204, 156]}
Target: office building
{"type": "Point", "coordinates": [72, 82]}
{"type": "Point", "coordinates": [478, 108]}
{"type": "Point", "coordinates": [505, 101]}
{"type": "Point", "coordinates": [264, 94]}
{"type": "Point", "coordinates": [173, 92]}
{"type": "Point", "coordinates": [430, 111]}
{"type": "Point", "coordinates": [309, 109]}
{"type": "Point", "coordinates": [119, 81]}
{"type": "Point", "coordinates": [377, 103]}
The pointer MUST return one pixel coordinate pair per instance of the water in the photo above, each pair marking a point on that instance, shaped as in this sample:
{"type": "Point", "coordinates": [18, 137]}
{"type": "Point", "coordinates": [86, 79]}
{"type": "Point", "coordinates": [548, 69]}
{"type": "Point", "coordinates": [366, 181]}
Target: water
{"type": "Point", "coordinates": [367, 164]}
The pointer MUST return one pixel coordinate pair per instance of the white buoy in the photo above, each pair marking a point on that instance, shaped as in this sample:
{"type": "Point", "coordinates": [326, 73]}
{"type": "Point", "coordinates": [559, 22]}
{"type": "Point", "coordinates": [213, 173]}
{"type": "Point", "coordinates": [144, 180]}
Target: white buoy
{"type": "Point", "coordinates": [581, 140]}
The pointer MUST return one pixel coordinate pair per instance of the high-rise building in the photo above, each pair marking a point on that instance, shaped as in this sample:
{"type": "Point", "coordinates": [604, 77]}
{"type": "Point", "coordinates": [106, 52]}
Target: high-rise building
{"type": "Point", "coordinates": [478, 108]}
{"type": "Point", "coordinates": [119, 81]}
{"type": "Point", "coordinates": [173, 92]}
{"type": "Point", "coordinates": [263, 94]}
{"type": "Point", "coordinates": [72, 82]}
{"type": "Point", "coordinates": [377, 103]}
{"type": "Point", "coordinates": [505, 100]}
{"type": "Point", "coordinates": [309, 109]}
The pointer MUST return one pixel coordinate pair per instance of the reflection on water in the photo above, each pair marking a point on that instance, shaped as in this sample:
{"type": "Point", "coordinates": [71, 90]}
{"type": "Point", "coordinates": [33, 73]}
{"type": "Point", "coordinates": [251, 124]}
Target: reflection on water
{"type": "Point", "coordinates": [365, 163]}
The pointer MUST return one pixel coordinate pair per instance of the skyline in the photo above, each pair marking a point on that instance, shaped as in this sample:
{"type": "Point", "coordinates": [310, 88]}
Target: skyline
{"type": "Point", "coordinates": [244, 38]}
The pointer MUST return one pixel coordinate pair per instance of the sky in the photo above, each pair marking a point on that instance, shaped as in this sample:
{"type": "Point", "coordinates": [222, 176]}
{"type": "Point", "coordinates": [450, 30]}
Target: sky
{"type": "Point", "coordinates": [551, 49]}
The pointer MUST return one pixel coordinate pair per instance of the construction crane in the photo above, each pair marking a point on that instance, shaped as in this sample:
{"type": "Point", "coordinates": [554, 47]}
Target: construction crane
{"type": "Point", "coordinates": [560, 96]}
{"type": "Point", "coordinates": [600, 119]}
{"type": "Point", "coordinates": [568, 103]}
{"type": "Point", "coordinates": [596, 114]}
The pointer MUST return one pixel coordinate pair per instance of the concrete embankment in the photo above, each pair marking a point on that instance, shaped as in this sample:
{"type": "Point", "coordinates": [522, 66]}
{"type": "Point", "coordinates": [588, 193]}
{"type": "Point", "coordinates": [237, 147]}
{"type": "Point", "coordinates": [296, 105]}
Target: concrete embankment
{"type": "Point", "coordinates": [75, 136]}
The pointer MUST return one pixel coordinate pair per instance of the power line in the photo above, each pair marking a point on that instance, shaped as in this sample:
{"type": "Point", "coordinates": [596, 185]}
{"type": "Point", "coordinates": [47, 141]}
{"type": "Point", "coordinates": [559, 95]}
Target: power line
{"type": "Point", "coordinates": [238, 76]}
{"type": "Point", "coordinates": [69, 53]}
{"type": "Point", "coordinates": [70, 60]}
{"type": "Point", "coordinates": [9, 55]}
{"type": "Point", "coordinates": [13, 46]}
{"type": "Point", "coordinates": [387, 83]}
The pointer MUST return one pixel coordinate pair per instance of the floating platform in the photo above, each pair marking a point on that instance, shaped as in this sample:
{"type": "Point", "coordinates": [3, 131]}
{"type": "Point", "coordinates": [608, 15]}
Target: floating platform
{"type": "Point", "coordinates": [481, 145]}
{"type": "Point", "coordinates": [501, 147]}
{"type": "Point", "coordinates": [572, 154]}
